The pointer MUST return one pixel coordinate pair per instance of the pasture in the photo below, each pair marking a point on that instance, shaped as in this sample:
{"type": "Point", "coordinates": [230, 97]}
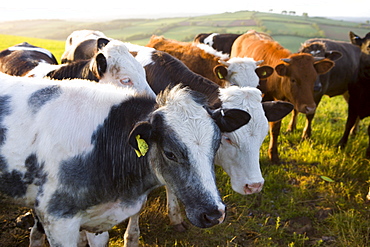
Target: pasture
{"type": "Point", "coordinates": [315, 197]}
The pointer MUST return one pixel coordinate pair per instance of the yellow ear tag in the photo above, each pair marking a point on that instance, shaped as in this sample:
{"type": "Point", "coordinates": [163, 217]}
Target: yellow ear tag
{"type": "Point", "coordinates": [143, 146]}
{"type": "Point", "coordinates": [220, 75]}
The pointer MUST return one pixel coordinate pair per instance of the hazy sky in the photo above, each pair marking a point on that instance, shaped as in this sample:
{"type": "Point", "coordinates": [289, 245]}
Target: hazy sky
{"type": "Point", "coordinates": [112, 9]}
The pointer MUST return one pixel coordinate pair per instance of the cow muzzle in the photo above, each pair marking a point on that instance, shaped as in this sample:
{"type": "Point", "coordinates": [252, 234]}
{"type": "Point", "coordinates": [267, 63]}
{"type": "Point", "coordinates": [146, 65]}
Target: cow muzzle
{"type": "Point", "coordinates": [253, 188]}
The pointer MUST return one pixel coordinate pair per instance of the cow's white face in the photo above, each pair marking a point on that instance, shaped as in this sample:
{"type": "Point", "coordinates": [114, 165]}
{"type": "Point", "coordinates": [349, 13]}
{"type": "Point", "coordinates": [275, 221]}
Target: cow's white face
{"type": "Point", "coordinates": [242, 72]}
{"type": "Point", "coordinates": [123, 69]}
{"type": "Point", "coordinates": [184, 156]}
{"type": "Point", "coordinates": [239, 150]}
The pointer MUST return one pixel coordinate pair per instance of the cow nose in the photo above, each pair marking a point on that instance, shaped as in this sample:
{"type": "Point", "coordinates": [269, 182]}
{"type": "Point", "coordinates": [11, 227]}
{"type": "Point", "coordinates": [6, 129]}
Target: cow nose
{"type": "Point", "coordinates": [214, 218]}
{"type": "Point", "coordinates": [253, 188]}
{"type": "Point", "coordinates": [310, 110]}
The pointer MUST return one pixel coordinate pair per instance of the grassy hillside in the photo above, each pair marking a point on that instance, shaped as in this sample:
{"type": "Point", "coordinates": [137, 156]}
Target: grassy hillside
{"type": "Point", "coordinates": [290, 30]}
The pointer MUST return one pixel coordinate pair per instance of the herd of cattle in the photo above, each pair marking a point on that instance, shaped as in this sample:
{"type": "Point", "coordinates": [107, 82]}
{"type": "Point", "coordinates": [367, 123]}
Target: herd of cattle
{"type": "Point", "coordinates": [83, 143]}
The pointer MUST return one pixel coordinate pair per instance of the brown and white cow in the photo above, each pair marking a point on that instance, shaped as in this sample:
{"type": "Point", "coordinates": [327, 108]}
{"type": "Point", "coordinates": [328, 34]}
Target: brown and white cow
{"type": "Point", "coordinates": [292, 81]}
{"type": "Point", "coordinates": [241, 71]}
{"type": "Point", "coordinates": [18, 60]}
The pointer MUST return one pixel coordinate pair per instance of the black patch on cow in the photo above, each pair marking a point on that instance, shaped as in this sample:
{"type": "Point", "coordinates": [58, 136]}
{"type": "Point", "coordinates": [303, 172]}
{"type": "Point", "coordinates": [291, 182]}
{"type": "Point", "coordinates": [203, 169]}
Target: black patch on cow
{"type": "Point", "coordinates": [111, 170]}
{"type": "Point", "coordinates": [42, 96]}
{"type": "Point", "coordinates": [14, 183]}
{"type": "Point", "coordinates": [5, 110]}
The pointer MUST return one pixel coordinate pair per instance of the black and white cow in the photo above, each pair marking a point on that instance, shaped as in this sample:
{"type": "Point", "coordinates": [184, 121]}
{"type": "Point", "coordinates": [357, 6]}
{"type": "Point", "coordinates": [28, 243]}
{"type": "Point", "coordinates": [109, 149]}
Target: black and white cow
{"type": "Point", "coordinates": [112, 63]}
{"type": "Point", "coordinates": [18, 60]}
{"type": "Point", "coordinates": [239, 151]}
{"type": "Point", "coordinates": [219, 42]}
{"type": "Point", "coordinates": [83, 44]}
{"type": "Point", "coordinates": [85, 156]}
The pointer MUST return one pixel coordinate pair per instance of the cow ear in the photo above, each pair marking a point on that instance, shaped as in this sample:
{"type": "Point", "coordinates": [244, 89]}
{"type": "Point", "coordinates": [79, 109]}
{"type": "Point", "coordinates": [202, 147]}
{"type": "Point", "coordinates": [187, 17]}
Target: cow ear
{"type": "Point", "coordinates": [220, 71]}
{"type": "Point", "coordinates": [230, 119]}
{"type": "Point", "coordinates": [281, 69]}
{"type": "Point", "coordinates": [264, 72]}
{"type": "Point", "coordinates": [333, 55]}
{"type": "Point", "coordinates": [139, 138]}
{"type": "Point", "coordinates": [99, 66]}
{"type": "Point", "coordinates": [102, 42]}
{"type": "Point", "coordinates": [276, 110]}
{"type": "Point", "coordinates": [355, 39]}
{"type": "Point", "coordinates": [323, 66]}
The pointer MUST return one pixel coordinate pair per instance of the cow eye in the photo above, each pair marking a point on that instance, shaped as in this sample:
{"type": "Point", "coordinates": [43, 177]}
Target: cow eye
{"type": "Point", "coordinates": [126, 81]}
{"type": "Point", "coordinates": [170, 155]}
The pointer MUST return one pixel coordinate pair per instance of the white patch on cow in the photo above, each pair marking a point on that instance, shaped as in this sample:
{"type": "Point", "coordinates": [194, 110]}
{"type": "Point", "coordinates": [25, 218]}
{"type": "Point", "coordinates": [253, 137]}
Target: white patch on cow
{"type": "Point", "coordinates": [123, 69]}
{"type": "Point", "coordinates": [212, 51]}
{"type": "Point", "coordinates": [144, 54]}
{"type": "Point", "coordinates": [61, 128]}
{"type": "Point", "coordinates": [103, 217]}
{"type": "Point", "coordinates": [240, 149]}
{"type": "Point", "coordinates": [42, 69]}
{"type": "Point", "coordinates": [25, 48]}
{"type": "Point", "coordinates": [190, 119]}
{"type": "Point", "coordinates": [242, 72]}
{"type": "Point", "coordinates": [209, 39]}
{"type": "Point", "coordinates": [76, 37]}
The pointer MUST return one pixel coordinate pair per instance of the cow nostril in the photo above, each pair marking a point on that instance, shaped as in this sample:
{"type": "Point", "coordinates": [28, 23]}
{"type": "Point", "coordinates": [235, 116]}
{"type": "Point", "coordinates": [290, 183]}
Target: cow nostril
{"type": "Point", "coordinates": [211, 219]}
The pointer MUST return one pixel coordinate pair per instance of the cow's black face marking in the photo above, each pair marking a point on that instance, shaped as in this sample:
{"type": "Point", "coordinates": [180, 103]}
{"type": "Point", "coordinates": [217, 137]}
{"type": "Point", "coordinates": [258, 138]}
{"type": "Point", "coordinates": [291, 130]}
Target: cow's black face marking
{"type": "Point", "coordinates": [40, 97]}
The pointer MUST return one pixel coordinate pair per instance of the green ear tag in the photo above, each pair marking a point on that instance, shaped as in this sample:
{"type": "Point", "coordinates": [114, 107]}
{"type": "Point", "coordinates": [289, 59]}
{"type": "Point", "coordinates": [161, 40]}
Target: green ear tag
{"type": "Point", "coordinates": [143, 146]}
{"type": "Point", "coordinates": [220, 75]}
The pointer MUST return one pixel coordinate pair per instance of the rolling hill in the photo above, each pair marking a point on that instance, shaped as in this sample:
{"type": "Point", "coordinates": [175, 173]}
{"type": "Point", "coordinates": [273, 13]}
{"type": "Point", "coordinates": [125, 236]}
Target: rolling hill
{"type": "Point", "coordinates": [289, 30]}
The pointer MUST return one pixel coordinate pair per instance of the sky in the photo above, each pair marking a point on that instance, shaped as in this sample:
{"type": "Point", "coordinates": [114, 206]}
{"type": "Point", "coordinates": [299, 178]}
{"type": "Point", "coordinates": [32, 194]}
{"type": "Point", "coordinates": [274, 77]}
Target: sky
{"type": "Point", "coordinates": [115, 9]}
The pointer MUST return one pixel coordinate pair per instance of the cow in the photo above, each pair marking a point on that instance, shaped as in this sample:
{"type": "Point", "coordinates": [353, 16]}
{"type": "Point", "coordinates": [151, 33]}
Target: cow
{"type": "Point", "coordinates": [241, 71]}
{"type": "Point", "coordinates": [91, 153]}
{"type": "Point", "coordinates": [113, 63]}
{"type": "Point", "coordinates": [292, 81]}
{"type": "Point", "coordinates": [19, 59]}
{"type": "Point", "coordinates": [219, 42]}
{"type": "Point", "coordinates": [239, 152]}
{"type": "Point", "coordinates": [359, 100]}
{"type": "Point", "coordinates": [335, 82]}
{"type": "Point", "coordinates": [363, 43]}
{"type": "Point", "coordinates": [83, 44]}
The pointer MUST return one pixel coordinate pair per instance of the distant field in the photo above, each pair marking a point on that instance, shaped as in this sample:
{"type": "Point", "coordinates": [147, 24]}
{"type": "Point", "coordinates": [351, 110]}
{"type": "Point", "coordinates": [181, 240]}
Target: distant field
{"type": "Point", "coordinates": [138, 31]}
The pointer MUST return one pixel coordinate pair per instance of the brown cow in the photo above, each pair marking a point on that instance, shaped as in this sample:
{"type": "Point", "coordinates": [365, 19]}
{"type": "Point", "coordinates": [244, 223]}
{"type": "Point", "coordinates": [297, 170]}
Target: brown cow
{"type": "Point", "coordinates": [293, 80]}
{"type": "Point", "coordinates": [238, 71]}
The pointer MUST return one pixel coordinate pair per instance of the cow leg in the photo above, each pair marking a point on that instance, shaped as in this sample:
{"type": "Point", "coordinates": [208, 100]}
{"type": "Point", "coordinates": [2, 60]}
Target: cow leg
{"type": "Point", "coordinates": [62, 232]}
{"type": "Point", "coordinates": [307, 131]}
{"type": "Point", "coordinates": [96, 239]}
{"type": "Point", "coordinates": [368, 147]}
{"type": "Point", "coordinates": [355, 127]}
{"type": "Point", "coordinates": [351, 120]}
{"type": "Point", "coordinates": [293, 121]}
{"type": "Point", "coordinates": [37, 234]}
{"type": "Point", "coordinates": [132, 233]}
{"type": "Point", "coordinates": [174, 212]}
{"type": "Point", "coordinates": [273, 147]}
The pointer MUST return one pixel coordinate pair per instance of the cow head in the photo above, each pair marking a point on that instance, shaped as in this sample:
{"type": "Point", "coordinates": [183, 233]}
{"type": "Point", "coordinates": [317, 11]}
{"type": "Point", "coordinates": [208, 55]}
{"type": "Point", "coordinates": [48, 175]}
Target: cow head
{"type": "Point", "coordinates": [299, 73]}
{"type": "Point", "coordinates": [240, 149]}
{"type": "Point", "coordinates": [181, 139]}
{"type": "Point", "coordinates": [242, 72]}
{"type": "Point", "coordinates": [115, 64]}
{"type": "Point", "coordinates": [363, 43]}
{"type": "Point", "coordinates": [318, 49]}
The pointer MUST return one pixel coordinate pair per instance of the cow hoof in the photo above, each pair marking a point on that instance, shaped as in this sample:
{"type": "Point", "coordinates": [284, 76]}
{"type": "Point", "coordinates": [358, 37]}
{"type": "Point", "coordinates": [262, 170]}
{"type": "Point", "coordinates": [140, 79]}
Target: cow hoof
{"type": "Point", "coordinates": [182, 227]}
